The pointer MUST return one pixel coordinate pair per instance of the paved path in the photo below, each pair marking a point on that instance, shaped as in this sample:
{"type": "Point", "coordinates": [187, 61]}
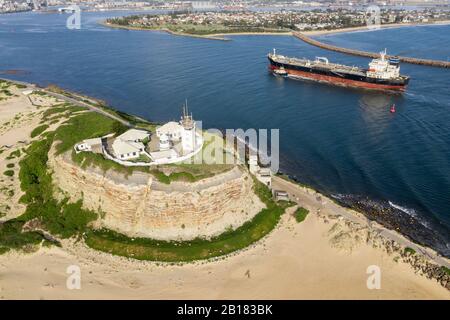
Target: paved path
{"type": "Point", "coordinates": [87, 105]}
{"type": "Point", "coordinates": [311, 199]}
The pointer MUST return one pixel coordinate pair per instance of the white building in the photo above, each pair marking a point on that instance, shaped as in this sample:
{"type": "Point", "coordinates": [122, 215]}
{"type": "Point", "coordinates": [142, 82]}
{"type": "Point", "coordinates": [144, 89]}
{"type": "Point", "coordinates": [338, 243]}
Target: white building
{"type": "Point", "coordinates": [129, 144]}
{"type": "Point", "coordinates": [88, 144]}
{"type": "Point", "coordinates": [183, 132]}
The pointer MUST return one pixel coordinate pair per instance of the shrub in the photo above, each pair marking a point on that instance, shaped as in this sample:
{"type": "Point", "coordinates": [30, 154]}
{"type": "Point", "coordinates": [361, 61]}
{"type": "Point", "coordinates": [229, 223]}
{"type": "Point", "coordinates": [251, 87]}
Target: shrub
{"type": "Point", "coordinates": [300, 214]}
{"type": "Point", "coordinates": [14, 154]}
{"type": "Point", "coordinates": [10, 165]}
{"type": "Point", "coordinates": [446, 270]}
{"type": "Point", "coordinates": [12, 237]}
{"type": "Point", "coordinates": [9, 173]}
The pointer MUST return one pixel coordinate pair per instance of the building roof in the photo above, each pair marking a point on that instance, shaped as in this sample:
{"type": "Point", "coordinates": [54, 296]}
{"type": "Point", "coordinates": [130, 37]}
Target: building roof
{"type": "Point", "coordinates": [92, 141]}
{"type": "Point", "coordinates": [169, 128]}
{"type": "Point", "coordinates": [122, 147]}
{"type": "Point", "coordinates": [133, 134]}
{"type": "Point", "coordinates": [164, 154]}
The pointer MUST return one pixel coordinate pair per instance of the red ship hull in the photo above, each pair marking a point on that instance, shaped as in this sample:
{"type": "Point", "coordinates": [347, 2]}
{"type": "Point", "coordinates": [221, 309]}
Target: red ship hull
{"type": "Point", "coordinates": [339, 81]}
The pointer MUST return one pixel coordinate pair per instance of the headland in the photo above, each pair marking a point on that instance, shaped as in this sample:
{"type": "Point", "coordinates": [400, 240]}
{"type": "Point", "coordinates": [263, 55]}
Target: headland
{"type": "Point", "coordinates": [282, 251]}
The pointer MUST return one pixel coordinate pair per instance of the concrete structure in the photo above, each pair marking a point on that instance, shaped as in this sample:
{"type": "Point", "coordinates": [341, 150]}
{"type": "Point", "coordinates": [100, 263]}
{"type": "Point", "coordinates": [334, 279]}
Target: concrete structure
{"type": "Point", "coordinates": [281, 195]}
{"type": "Point", "coordinates": [88, 145]}
{"type": "Point", "coordinates": [264, 175]}
{"type": "Point", "coordinates": [129, 144]}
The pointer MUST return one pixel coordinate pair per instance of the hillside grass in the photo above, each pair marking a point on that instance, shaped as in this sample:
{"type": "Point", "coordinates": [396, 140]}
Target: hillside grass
{"type": "Point", "coordinates": [38, 130]}
{"type": "Point", "coordinates": [174, 251]}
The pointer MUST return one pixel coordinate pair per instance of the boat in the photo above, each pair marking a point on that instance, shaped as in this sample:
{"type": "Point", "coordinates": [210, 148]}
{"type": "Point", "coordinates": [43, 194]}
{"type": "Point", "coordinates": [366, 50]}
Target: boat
{"type": "Point", "coordinates": [280, 72]}
{"type": "Point", "coordinates": [382, 73]}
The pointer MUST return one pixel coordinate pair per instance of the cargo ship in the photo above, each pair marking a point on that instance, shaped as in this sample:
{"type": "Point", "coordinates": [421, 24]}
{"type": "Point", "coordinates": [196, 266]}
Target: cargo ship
{"type": "Point", "coordinates": [382, 74]}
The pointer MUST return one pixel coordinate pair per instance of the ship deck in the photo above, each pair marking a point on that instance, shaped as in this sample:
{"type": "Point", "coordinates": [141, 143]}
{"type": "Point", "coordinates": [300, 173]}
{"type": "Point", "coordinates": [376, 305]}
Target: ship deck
{"type": "Point", "coordinates": [333, 67]}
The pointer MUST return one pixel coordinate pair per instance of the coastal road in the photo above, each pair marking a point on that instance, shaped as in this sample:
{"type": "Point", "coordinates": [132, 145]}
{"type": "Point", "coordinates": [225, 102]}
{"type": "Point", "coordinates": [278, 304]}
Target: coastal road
{"type": "Point", "coordinates": [311, 199]}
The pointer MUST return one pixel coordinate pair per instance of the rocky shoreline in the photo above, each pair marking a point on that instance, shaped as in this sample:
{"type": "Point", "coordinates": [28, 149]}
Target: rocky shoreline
{"type": "Point", "coordinates": [398, 220]}
{"type": "Point", "coordinates": [357, 233]}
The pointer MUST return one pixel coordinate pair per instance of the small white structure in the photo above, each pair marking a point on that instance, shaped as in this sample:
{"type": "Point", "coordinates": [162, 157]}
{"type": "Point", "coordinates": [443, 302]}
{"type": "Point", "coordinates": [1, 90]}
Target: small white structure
{"type": "Point", "coordinates": [264, 175]}
{"type": "Point", "coordinates": [253, 164]}
{"type": "Point", "coordinates": [164, 143]}
{"type": "Point", "coordinates": [87, 144]}
{"type": "Point", "coordinates": [281, 195]}
{"type": "Point", "coordinates": [129, 144]}
{"type": "Point", "coordinates": [27, 92]}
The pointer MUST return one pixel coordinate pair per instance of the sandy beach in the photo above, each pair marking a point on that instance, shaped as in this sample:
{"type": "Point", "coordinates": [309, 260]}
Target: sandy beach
{"type": "Point", "coordinates": [324, 257]}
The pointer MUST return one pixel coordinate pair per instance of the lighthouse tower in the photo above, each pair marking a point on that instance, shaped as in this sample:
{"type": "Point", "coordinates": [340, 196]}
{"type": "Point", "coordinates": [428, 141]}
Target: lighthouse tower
{"type": "Point", "coordinates": [188, 137]}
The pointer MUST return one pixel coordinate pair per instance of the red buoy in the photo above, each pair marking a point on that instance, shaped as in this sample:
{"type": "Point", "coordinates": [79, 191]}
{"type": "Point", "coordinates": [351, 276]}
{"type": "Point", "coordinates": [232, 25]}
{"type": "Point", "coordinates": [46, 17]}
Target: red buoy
{"type": "Point", "coordinates": [393, 108]}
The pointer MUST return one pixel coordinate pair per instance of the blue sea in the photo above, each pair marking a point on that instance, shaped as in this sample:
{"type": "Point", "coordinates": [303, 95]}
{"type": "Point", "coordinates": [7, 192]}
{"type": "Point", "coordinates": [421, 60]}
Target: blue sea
{"type": "Point", "coordinates": [340, 141]}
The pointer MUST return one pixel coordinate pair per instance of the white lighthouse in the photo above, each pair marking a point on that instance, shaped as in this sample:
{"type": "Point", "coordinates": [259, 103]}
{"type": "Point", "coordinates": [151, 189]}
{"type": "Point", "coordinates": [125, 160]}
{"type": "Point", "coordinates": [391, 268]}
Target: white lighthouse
{"type": "Point", "coordinates": [189, 131]}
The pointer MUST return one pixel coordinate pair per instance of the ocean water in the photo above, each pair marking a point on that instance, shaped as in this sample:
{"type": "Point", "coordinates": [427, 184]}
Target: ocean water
{"type": "Point", "coordinates": [340, 141]}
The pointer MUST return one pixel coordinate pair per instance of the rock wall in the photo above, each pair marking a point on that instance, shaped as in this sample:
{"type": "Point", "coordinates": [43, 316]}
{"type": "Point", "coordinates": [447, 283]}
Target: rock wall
{"type": "Point", "coordinates": [139, 206]}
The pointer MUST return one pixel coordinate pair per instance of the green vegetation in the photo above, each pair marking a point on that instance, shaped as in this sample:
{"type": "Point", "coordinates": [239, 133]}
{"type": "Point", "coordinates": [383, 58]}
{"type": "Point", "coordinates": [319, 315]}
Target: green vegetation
{"type": "Point", "coordinates": [87, 159]}
{"type": "Point", "coordinates": [14, 154]}
{"type": "Point", "coordinates": [6, 92]}
{"type": "Point", "coordinates": [9, 173]}
{"type": "Point", "coordinates": [189, 172]}
{"type": "Point", "coordinates": [38, 130]}
{"type": "Point", "coordinates": [59, 218]}
{"type": "Point", "coordinates": [409, 251]}
{"type": "Point", "coordinates": [59, 111]}
{"type": "Point", "coordinates": [10, 165]}
{"type": "Point", "coordinates": [83, 126]}
{"type": "Point", "coordinates": [12, 237]}
{"type": "Point", "coordinates": [446, 270]}
{"type": "Point", "coordinates": [192, 28]}
{"type": "Point", "coordinates": [198, 249]}
{"type": "Point", "coordinates": [300, 214]}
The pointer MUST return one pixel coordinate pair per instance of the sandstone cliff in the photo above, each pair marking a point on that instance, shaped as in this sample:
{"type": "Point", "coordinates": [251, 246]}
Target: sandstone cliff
{"type": "Point", "coordinates": [140, 206]}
